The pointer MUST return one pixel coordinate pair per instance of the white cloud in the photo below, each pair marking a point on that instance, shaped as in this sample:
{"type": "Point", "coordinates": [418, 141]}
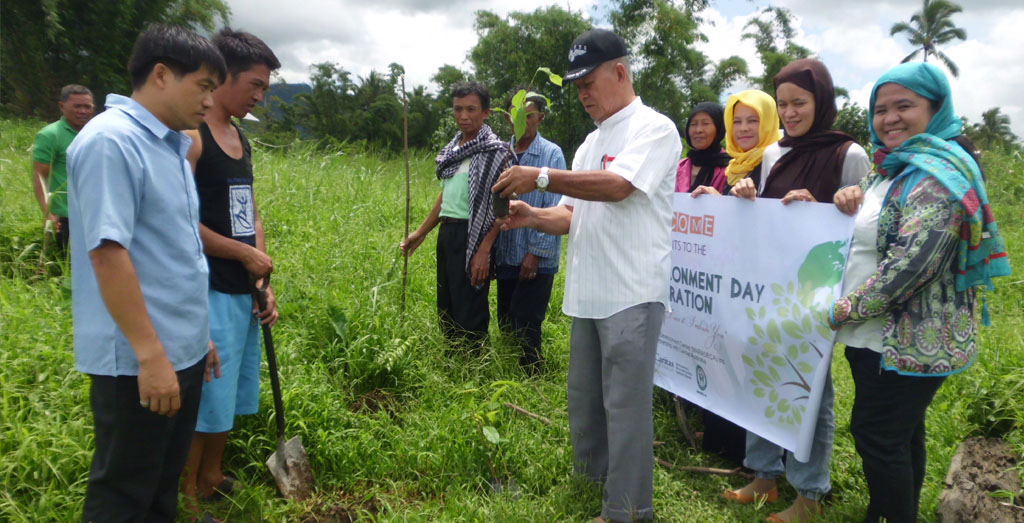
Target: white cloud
{"type": "Point", "coordinates": [421, 35]}
{"type": "Point", "coordinates": [852, 38]}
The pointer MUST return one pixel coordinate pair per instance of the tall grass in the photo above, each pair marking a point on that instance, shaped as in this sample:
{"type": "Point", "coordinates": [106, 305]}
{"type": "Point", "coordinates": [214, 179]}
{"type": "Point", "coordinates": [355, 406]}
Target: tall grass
{"type": "Point", "coordinates": [390, 417]}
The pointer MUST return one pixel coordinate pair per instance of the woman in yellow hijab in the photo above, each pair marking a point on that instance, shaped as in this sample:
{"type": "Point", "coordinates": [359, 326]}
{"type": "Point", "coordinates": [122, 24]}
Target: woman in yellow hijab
{"type": "Point", "coordinates": [751, 125]}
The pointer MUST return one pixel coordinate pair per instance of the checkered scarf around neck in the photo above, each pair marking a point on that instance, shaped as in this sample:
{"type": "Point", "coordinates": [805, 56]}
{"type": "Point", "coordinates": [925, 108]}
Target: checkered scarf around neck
{"type": "Point", "coordinates": [488, 153]}
{"type": "Point", "coordinates": [981, 253]}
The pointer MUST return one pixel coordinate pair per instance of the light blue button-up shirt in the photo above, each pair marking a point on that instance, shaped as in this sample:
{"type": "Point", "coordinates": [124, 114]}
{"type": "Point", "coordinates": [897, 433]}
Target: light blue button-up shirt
{"type": "Point", "coordinates": [514, 244]}
{"type": "Point", "coordinates": [129, 182]}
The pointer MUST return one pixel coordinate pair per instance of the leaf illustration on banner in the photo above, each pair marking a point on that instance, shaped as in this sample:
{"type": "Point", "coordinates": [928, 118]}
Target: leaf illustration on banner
{"type": "Point", "coordinates": [821, 269]}
{"type": "Point", "coordinates": [781, 369]}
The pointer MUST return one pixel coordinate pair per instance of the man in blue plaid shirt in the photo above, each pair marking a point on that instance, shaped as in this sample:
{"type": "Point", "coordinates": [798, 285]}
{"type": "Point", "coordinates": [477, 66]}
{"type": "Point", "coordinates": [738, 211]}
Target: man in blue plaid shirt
{"type": "Point", "coordinates": [527, 260]}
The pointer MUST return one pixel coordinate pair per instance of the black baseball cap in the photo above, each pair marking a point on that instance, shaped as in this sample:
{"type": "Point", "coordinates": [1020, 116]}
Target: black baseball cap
{"type": "Point", "coordinates": [592, 49]}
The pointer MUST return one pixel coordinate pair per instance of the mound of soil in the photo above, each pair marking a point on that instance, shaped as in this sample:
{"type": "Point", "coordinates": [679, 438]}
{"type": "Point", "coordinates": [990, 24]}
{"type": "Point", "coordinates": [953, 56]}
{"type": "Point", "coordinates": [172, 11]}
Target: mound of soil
{"type": "Point", "coordinates": [980, 467]}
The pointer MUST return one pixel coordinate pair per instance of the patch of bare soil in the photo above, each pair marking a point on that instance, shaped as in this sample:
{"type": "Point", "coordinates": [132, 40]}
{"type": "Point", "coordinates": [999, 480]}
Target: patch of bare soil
{"type": "Point", "coordinates": [348, 510]}
{"type": "Point", "coordinates": [981, 467]}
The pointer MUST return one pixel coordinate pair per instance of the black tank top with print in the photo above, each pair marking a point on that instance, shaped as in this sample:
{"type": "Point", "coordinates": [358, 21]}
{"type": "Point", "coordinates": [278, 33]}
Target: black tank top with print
{"type": "Point", "coordinates": [226, 206]}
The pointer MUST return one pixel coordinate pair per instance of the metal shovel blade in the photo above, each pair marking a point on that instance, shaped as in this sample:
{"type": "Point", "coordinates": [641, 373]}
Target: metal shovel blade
{"type": "Point", "coordinates": [290, 467]}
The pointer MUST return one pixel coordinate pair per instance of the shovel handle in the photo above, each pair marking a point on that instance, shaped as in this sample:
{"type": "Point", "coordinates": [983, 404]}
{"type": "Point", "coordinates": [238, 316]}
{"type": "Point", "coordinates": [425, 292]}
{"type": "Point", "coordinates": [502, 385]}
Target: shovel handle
{"type": "Point", "coordinates": [268, 343]}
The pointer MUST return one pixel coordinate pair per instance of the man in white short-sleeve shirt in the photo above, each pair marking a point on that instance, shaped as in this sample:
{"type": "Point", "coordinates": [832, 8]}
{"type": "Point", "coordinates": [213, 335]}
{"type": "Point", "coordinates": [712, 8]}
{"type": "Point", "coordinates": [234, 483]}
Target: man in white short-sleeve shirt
{"type": "Point", "coordinates": [617, 211]}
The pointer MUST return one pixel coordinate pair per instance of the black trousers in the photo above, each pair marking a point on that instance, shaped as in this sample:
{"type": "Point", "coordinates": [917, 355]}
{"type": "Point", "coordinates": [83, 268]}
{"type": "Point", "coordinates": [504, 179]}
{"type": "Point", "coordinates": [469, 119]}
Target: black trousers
{"type": "Point", "coordinates": [139, 454]}
{"type": "Point", "coordinates": [63, 236]}
{"type": "Point", "coordinates": [887, 424]}
{"type": "Point", "coordinates": [522, 306]}
{"type": "Point", "coordinates": [463, 310]}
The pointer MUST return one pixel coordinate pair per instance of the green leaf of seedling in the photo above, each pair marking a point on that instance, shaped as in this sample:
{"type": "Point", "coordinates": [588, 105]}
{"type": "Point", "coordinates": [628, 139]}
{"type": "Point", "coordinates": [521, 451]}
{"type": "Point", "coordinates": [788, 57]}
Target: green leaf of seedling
{"type": "Point", "coordinates": [518, 99]}
{"type": "Point", "coordinates": [519, 122]}
{"type": "Point", "coordinates": [552, 77]}
{"type": "Point", "coordinates": [491, 434]}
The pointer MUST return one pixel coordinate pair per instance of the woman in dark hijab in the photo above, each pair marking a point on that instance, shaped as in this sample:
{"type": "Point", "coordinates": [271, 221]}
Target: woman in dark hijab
{"type": "Point", "coordinates": [705, 160]}
{"type": "Point", "coordinates": [809, 164]}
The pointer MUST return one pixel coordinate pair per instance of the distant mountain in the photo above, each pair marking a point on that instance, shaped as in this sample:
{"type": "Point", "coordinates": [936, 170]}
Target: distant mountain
{"type": "Point", "coordinates": [286, 91]}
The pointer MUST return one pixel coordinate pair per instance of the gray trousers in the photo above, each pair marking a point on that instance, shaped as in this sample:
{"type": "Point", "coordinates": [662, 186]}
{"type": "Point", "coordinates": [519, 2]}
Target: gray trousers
{"type": "Point", "coordinates": [611, 383]}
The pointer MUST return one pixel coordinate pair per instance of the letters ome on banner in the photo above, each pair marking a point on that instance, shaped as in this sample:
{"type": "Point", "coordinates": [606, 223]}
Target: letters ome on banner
{"type": "Point", "coordinates": [747, 337]}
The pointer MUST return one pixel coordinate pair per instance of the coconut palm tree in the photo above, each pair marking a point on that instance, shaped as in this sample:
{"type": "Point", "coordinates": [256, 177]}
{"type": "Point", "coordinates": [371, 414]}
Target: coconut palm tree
{"type": "Point", "coordinates": [994, 129]}
{"type": "Point", "coordinates": [929, 27]}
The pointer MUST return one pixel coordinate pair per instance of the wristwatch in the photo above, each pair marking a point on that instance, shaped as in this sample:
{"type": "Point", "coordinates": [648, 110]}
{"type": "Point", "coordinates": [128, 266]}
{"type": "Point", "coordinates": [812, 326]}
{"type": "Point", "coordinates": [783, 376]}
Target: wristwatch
{"type": "Point", "coordinates": [542, 179]}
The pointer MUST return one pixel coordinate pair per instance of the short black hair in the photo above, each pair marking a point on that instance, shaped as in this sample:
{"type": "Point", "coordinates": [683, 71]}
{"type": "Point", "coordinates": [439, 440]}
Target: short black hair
{"type": "Point", "coordinates": [467, 88]}
{"type": "Point", "coordinates": [182, 50]}
{"type": "Point", "coordinates": [242, 50]}
{"type": "Point", "coordinates": [70, 89]}
{"type": "Point", "coordinates": [537, 100]}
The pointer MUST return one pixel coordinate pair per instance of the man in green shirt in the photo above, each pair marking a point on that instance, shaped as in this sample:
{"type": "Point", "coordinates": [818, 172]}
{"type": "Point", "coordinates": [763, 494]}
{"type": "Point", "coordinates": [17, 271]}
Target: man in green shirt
{"type": "Point", "coordinates": [49, 167]}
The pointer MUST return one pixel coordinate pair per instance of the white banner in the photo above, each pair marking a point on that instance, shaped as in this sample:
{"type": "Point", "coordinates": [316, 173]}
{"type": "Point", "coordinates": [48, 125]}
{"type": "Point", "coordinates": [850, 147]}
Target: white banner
{"type": "Point", "coordinates": [747, 337]}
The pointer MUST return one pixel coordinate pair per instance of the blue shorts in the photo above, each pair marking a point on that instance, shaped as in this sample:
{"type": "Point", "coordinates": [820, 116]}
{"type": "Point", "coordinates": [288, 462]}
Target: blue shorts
{"type": "Point", "coordinates": [236, 334]}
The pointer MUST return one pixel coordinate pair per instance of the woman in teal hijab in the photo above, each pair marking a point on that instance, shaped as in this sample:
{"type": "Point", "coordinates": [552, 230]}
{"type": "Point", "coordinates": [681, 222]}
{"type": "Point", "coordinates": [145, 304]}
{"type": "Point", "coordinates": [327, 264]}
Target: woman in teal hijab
{"type": "Point", "coordinates": [924, 239]}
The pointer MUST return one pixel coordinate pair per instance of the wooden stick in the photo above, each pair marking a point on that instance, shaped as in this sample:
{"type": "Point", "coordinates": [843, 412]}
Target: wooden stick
{"type": "Point", "coordinates": [706, 470]}
{"type": "Point", "coordinates": [1011, 505]}
{"type": "Point", "coordinates": [525, 412]}
{"type": "Point", "coordinates": [684, 424]}
{"type": "Point", "coordinates": [405, 116]}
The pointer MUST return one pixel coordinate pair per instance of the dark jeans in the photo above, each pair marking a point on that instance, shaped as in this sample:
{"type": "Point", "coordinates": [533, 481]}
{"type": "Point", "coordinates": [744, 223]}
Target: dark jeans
{"type": "Point", "coordinates": [463, 309]}
{"type": "Point", "coordinates": [522, 306]}
{"type": "Point", "coordinates": [139, 454]}
{"type": "Point", "coordinates": [63, 236]}
{"type": "Point", "coordinates": [887, 424]}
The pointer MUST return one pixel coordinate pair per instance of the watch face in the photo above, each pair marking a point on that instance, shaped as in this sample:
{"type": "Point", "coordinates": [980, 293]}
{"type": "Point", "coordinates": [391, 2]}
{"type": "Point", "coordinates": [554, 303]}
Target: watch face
{"type": "Point", "coordinates": [542, 181]}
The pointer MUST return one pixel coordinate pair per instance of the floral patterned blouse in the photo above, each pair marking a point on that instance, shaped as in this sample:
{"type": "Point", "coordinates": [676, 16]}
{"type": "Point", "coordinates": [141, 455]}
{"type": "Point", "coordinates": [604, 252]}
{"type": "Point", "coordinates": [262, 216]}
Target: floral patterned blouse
{"type": "Point", "coordinates": [930, 328]}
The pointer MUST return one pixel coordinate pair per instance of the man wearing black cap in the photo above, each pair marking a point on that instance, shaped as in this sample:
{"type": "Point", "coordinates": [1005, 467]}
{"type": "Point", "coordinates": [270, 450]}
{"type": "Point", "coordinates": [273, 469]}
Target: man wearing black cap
{"type": "Point", "coordinates": [617, 211]}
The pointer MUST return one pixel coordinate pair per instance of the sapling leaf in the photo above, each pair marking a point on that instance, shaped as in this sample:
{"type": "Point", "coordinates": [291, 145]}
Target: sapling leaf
{"type": "Point", "coordinates": [552, 77]}
{"type": "Point", "coordinates": [491, 434]}
{"type": "Point", "coordinates": [519, 122]}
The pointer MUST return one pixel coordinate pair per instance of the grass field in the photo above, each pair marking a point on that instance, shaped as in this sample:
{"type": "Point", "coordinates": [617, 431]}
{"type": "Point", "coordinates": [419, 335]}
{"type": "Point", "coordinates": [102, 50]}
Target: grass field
{"type": "Point", "coordinates": [391, 423]}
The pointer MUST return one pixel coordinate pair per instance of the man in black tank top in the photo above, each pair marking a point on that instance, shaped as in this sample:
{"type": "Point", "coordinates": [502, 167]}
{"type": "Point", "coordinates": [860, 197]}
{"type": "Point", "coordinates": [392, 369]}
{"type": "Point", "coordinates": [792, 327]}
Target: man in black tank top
{"type": "Point", "coordinates": [232, 235]}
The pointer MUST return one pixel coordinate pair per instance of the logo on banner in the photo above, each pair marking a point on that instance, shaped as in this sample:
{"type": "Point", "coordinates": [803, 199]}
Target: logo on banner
{"type": "Point", "coordinates": [702, 378]}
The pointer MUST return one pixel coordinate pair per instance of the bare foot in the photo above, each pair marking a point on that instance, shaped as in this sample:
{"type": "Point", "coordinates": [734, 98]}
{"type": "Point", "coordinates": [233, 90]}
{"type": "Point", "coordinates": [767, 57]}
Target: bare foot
{"type": "Point", "coordinates": [757, 490]}
{"type": "Point", "coordinates": [801, 511]}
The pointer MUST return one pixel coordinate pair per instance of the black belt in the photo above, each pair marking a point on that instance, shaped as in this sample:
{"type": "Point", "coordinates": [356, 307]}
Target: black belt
{"type": "Point", "coordinates": [448, 219]}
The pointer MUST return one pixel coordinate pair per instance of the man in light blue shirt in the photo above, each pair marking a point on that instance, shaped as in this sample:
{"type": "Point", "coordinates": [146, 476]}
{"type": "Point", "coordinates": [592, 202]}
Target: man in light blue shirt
{"type": "Point", "coordinates": [139, 277]}
{"type": "Point", "coordinates": [527, 259]}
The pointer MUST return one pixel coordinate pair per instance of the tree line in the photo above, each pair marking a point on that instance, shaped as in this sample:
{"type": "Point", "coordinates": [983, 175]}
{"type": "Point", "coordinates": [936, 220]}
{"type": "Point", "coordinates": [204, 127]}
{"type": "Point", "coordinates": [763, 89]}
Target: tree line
{"type": "Point", "coordinates": [48, 44]}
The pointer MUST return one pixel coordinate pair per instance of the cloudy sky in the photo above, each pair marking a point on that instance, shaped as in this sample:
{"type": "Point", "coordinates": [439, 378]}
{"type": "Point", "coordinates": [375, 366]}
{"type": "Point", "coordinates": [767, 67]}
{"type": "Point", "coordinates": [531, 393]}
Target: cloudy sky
{"type": "Point", "coordinates": [852, 38]}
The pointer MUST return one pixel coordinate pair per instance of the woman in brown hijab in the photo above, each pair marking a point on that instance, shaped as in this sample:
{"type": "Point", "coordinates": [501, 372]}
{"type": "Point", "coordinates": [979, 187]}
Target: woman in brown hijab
{"type": "Point", "coordinates": [809, 164]}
